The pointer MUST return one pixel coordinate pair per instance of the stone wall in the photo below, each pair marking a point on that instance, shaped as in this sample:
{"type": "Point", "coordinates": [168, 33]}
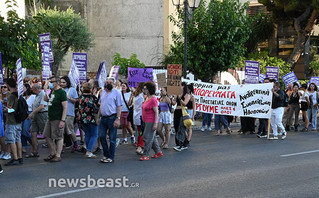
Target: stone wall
{"type": "Point", "coordinates": [123, 26]}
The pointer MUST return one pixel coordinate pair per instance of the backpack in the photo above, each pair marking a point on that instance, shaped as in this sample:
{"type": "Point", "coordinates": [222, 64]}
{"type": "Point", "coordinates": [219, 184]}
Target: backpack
{"type": "Point", "coordinates": [286, 99]}
{"type": "Point", "coordinates": [21, 113]}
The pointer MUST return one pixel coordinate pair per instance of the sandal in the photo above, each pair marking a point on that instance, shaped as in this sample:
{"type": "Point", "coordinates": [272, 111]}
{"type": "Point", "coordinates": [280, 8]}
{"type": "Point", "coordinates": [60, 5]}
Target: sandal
{"type": "Point", "coordinates": [165, 146]}
{"type": "Point", "coordinates": [91, 155]}
{"type": "Point", "coordinates": [49, 158]}
{"type": "Point", "coordinates": [32, 155]}
{"type": "Point", "coordinates": [106, 160]}
{"type": "Point", "coordinates": [144, 158]}
{"type": "Point", "coordinates": [218, 133]}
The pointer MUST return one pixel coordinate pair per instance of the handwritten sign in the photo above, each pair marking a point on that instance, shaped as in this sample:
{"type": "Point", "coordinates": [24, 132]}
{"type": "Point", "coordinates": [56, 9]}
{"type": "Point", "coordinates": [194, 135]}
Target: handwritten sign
{"type": "Point", "coordinates": [272, 73]}
{"type": "Point", "coordinates": [174, 79]}
{"type": "Point", "coordinates": [161, 80]}
{"type": "Point", "coordinates": [251, 72]}
{"type": "Point", "coordinates": [236, 100]}
{"type": "Point", "coordinates": [136, 75]}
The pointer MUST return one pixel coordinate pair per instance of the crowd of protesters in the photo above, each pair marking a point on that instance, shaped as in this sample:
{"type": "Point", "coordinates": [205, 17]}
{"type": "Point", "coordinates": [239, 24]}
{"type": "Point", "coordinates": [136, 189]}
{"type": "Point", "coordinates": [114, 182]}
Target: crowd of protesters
{"type": "Point", "coordinates": [57, 111]}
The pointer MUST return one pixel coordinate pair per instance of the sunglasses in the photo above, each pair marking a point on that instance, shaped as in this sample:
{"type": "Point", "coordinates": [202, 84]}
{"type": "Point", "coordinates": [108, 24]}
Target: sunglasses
{"type": "Point", "coordinates": [3, 87]}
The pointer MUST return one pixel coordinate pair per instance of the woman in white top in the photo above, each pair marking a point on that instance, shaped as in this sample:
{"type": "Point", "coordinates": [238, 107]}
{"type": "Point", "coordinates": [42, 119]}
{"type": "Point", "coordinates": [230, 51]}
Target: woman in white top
{"type": "Point", "coordinates": [26, 124]}
{"type": "Point", "coordinates": [137, 100]}
{"type": "Point", "coordinates": [126, 125]}
{"type": "Point", "coordinates": [304, 106]}
{"type": "Point", "coordinates": [312, 98]}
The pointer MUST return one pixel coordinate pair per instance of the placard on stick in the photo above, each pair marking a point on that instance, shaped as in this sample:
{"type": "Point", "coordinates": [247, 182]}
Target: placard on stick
{"type": "Point", "coordinates": [161, 80]}
{"type": "Point", "coordinates": [174, 79]}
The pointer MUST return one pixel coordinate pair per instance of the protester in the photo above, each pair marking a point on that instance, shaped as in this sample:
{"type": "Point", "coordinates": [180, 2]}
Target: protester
{"type": "Point", "coordinates": [2, 143]}
{"type": "Point", "coordinates": [57, 110]}
{"type": "Point", "coordinates": [26, 124]}
{"type": "Point", "coordinates": [191, 109]}
{"type": "Point", "coordinates": [125, 124]}
{"type": "Point", "coordinates": [137, 116]}
{"type": "Point", "coordinates": [88, 110]}
{"type": "Point", "coordinates": [119, 85]}
{"type": "Point", "coordinates": [293, 107]}
{"type": "Point", "coordinates": [312, 98]}
{"type": "Point", "coordinates": [180, 129]}
{"type": "Point", "coordinates": [13, 128]}
{"type": "Point", "coordinates": [150, 118]}
{"type": "Point", "coordinates": [304, 106]}
{"type": "Point", "coordinates": [165, 118]}
{"type": "Point", "coordinates": [39, 116]}
{"type": "Point", "coordinates": [207, 118]}
{"type": "Point", "coordinates": [263, 123]}
{"type": "Point", "coordinates": [97, 93]}
{"type": "Point", "coordinates": [221, 120]}
{"type": "Point", "coordinates": [110, 110]}
{"type": "Point", "coordinates": [72, 97]}
{"type": "Point", "coordinates": [4, 99]}
{"type": "Point", "coordinates": [277, 112]}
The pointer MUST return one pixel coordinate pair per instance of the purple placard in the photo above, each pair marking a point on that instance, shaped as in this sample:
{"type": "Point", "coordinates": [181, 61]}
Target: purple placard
{"type": "Point", "coordinates": [272, 73]}
{"type": "Point", "coordinates": [136, 75]}
{"type": "Point", "coordinates": [102, 74]}
{"type": "Point", "coordinates": [46, 39]}
{"type": "Point", "coordinates": [251, 72]}
{"type": "Point", "coordinates": [262, 77]}
{"type": "Point", "coordinates": [290, 78]}
{"type": "Point", "coordinates": [314, 80]}
{"type": "Point", "coordinates": [1, 71]}
{"type": "Point", "coordinates": [46, 66]}
{"type": "Point", "coordinates": [115, 72]}
{"type": "Point", "coordinates": [19, 77]}
{"type": "Point", "coordinates": [80, 61]}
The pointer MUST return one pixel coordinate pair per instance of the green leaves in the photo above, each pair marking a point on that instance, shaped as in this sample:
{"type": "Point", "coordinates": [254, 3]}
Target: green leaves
{"type": "Point", "coordinates": [125, 63]}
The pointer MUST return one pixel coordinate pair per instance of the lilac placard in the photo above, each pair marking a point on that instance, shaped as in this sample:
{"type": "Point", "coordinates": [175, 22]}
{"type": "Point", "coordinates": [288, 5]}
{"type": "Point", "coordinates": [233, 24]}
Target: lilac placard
{"type": "Point", "coordinates": [262, 77]}
{"type": "Point", "coordinates": [19, 77]}
{"type": "Point", "coordinates": [115, 70]}
{"type": "Point", "coordinates": [314, 80]}
{"type": "Point", "coordinates": [136, 75]}
{"type": "Point", "coordinates": [1, 71]}
{"type": "Point", "coordinates": [46, 39]}
{"type": "Point", "coordinates": [251, 72]}
{"type": "Point", "coordinates": [46, 67]}
{"type": "Point", "coordinates": [102, 74]}
{"type": "Point", "coordinates": [80, 61]}
{"type": "Point", "coordinates": [290, 78]}
{"type": "Point", "coordinates": [272, 73]}
{"type": "Point", "coordinates": [74, 75]}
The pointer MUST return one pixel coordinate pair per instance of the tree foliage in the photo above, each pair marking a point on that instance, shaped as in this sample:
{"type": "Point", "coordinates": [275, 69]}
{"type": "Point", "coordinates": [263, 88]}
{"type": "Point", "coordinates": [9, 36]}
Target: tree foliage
{"type": "Point", "coordinates": [18, 39]}
{"type": "Point", "coordinates": [217, 33]}
{"type": "Point", "coordinates": [133, 61]}
{"type": "Point", "coordinates": [68, 31]}
{"type": "Point", "coordinates": [304, 15]}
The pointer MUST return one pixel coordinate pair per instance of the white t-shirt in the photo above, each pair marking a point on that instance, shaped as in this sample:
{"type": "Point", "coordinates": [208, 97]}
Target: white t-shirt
{"type": "Point", "coordinates": [304, 95]}
{"type": "Point", "coordinates": [138, 101]}
{"type": "Point", "coordinates": [314, 97]}
{"type": "Point", "coordinates": [30, 101]}
{"type": "Point", "coordinates": [127, 98]}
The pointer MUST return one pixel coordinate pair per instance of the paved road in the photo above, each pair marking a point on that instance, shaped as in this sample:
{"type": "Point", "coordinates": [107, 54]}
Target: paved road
{"type": "Point", "coordinates": [214, 166]}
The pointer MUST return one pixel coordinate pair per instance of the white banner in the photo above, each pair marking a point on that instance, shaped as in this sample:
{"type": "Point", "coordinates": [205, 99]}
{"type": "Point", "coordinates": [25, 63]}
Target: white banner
{"type": "Point", "coordinates": [236, 100]}
{"type": "Point", "coordinates": [74, 75]}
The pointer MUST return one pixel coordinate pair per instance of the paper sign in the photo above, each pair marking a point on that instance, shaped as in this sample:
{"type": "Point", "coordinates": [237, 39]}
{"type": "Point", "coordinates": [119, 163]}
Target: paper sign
{"type": "Point", "coordinates": [272, 73]}
{"type": "Point", "coordinates": [251, 72]}
{"type": "Point", "coordinates": [290, 78]}
{"type": "Point", "coordinates": [74, 75]}
{"type": "Point", "coordinates": [136, 75]}
{"type": "Point", "coordinates": [80, 61]}
{"type": "Point", "coordinates": [161, 80]}
{"type": "Point", "coordinates": [314, 80]}
{"type": "Point", "coordinates": [174, 79]}
{"type": "Point", "coordinates": [45, 39]}
{"type": "Point", "coordinates": [102, 74]}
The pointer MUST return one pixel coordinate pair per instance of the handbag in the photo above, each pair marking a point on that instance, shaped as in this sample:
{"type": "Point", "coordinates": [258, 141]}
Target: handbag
{"type": "Point", "coordinates": [188, 122]}
{"type": "Point", "coordinates": [130, 110]}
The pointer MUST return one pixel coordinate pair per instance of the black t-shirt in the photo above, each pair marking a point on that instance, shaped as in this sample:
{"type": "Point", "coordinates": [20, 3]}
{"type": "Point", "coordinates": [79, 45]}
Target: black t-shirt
{"type": "Point", "coordinates": [278, 101]}
{"type": "Point", "coordinates": [294, 98]}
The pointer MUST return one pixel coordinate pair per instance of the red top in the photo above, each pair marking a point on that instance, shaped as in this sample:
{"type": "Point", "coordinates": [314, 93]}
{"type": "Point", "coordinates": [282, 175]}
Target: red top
{"type": "Point", "coordinates": [148, 114]}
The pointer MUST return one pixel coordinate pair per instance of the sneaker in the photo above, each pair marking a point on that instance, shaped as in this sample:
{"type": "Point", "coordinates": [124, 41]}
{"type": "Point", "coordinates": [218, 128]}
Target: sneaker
{"type": "Point", "coordinates": [20, 160]}
{"type": "Point", "coordinates": [304, 130]}
{"type": "Point", "coordinates": [117, 142]}
{"type": "Point", "coordinates": [7, 156]}
{"type": "Point", "coordinates": [45, 145]}
{"type": "Point", "coordinates": [184, 148]}
{"type": "Point", "coordinates": [124, 142]}
{"type": "Point", "coordinates": [261, 135]}
{"type": "Point", "coordinates": [209, 129]}
{"type": "Point", "coordinates": [2, 154]}
{"type": "Point", "coordinates": [75, 147]}
{"type": "Point", "coordinates": [12, 162]}
{"type": "Point", "coordinates": [97, 150]}
{"type": "Point", "coordinates": [202, 129]}
{"type": "Point", "coordinates": [274, 138]}
{"type": "Point", "coordinates": [132, 139]}
{"type": "Point", "coordinates": [1, 170]}
{"type": "Point", "coordinates": [284, 135]}
{"type": "Point", "coordinates": [178, 148]}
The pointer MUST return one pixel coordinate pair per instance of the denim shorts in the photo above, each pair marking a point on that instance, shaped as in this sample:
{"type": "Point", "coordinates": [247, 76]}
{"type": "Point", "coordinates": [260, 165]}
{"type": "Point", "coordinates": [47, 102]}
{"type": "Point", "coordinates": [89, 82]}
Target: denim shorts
{"type": "Point", "coordinates": [13, 133]}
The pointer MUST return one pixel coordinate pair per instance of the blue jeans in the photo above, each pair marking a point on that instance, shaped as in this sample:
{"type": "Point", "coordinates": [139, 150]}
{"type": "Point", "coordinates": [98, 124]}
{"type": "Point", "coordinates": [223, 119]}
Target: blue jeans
{"type": "Point", "coordinates": [91, 133]}
{"type": "Point", "coordinates": [312, 115]}
{"type": "Point", "coordinates": [220, 119]}
{"type": "Point", "coordinates": [107, 124]}
{"type": "Point", "coordinates": [207, 118]}
{"type": "Point", "coordinates": [25, 133]}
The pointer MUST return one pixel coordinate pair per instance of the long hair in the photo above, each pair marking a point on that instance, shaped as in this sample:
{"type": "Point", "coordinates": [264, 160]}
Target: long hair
{"type": "Point", "coordinates": [138, 89]}
{"type": "Point", "coordinates": [28, 89]}
{"type": "Point", "coordinates": [67, 80]}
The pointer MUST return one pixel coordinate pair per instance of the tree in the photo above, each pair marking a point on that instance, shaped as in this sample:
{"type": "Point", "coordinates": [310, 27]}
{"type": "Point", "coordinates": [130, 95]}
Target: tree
{"type": "Point", "coordinates": [68, 31]}
{"type": "Point", "coordinates": [304, 15]}
{"type": "Point", "coordinates": [125, 63]}
{"type": "Point", "coordinates": [18, 39]}
{"type": "Point", "coordinates": [217, 33]}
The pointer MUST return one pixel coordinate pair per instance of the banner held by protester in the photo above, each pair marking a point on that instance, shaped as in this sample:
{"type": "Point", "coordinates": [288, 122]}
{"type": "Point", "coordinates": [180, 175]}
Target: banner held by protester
{"type": "Point", "coordinates": [236, 100]}
{"type": "Point", "coordinates": [136, 75]}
